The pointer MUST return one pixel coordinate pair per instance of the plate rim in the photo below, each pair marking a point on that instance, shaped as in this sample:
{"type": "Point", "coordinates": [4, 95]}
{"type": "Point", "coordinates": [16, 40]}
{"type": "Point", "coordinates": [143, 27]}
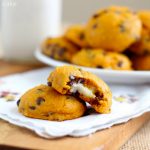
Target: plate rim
{"type": "Point", "coordinates": [45, 59]}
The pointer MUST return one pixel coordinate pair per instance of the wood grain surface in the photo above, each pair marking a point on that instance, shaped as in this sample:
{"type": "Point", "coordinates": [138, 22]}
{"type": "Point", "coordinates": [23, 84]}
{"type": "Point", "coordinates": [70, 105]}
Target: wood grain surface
{"type": "Point", "coordinates": [108, 139]}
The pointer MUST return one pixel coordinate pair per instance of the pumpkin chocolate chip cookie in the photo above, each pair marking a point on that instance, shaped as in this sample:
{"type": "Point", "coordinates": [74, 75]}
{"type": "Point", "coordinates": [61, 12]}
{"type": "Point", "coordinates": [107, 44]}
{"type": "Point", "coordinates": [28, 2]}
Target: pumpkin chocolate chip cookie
{"type": "Point", "coordinates": [89, 58]}
{"type": "Point", "coordinates": [43, 102]}
{"type": "Point", "coordinates": [114, 28]}
{"type": "Point", "coordinates": [98, 58]}
{"type": "Point", "coordinates": [59, 48]}
{"type": "Point", "coordinates": [76, 34]}
{"type": "Point", "coordinates": [74, 81]}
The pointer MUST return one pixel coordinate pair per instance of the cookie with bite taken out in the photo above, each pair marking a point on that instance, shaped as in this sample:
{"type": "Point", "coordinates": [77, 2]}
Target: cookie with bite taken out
{"type": "Point", "coordinates": [87, 86]}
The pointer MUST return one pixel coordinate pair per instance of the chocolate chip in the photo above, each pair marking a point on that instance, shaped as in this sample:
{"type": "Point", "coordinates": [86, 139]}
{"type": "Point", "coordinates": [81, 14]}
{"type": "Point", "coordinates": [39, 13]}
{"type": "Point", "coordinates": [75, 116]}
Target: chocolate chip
{"type": "Point", "coordinates": [122, 28]}
{"type": "Point", "coordinates": [100, 67]}
{"type": "Point", "coordinates": [70, 83]}
{"type": "Point", "coordinates": [32, 107]}
{"type": "Point", "coordinates": [98, 95]}
{"type": "Point", "coordinates": [62, 51]}
{"type": "Point", "coordinates": [71, 77]}
{"type": "Point", "coordinates": [68, 97]}
{"type": "Point", "coordinates": [89, 111]}
{"type": "Point", "coordinates": [18, 102]}
{"type": "Point", "coordinates": [94, 102]}
{"type": "Point", "coordinates": [46, 115]}
{"type": "Point", "coordinates": [95, 15]}
{"type": "Point", "coordinates": [55, 49]}
{"type": "Point", "coordinates": [120, 63]}
{"type": "Point", "coordinates": [49, 83]}
{"type": "Point", "coordinates": [65, 89]}
{"type": "Point", "coordinates": [40, 90]}
{"type": "Point", "coordinates": [76, 94]}
{"type": "Point", "coordinates": [82, 36]}
{"type": "Point", "coordinates": [94, 26]}
{"type": "Point", "coordinates": [40, 100]}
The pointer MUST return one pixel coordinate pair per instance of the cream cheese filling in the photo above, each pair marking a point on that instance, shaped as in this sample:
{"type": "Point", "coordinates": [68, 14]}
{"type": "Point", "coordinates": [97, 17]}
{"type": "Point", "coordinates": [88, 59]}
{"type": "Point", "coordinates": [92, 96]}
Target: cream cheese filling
{"type": "Point", "coordinates": [82, 90]}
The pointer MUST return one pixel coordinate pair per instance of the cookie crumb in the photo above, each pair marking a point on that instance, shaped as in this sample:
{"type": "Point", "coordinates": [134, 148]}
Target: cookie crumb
{"type": "Point", "coordinates": [49, 83]}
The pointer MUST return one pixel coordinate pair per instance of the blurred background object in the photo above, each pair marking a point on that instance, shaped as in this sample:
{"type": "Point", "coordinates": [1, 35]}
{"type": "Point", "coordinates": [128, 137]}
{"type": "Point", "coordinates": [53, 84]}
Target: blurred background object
{"type": "Point", "coordinates": [24, 23]}
{"type": "Point", "coordinates": [80, 10]}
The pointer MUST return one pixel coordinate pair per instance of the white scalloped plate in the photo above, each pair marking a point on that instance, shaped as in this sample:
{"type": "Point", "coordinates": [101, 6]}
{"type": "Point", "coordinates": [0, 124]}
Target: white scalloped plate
{"type": "Point", "coordinates": [113, 76]}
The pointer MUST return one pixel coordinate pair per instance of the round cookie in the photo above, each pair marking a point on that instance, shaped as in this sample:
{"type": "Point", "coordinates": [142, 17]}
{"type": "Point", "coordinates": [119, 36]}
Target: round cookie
{"type": "Point", "coordinates": [59, 48]}
{"type": "Point", "coordinates": [141, 62]}
{"type": "Point", "coordinates": [76, 34]}
{"type": "Point", "coordinates": [144, 15]}
{"type": "Point", "coordinates": [99, 58]}
{"type": "Point", "coordinates": [89, 58]}
{"type": "Point", "coordinates": [116, 61]}
{"type": "Point", "coordinates": [85, 85]}
{"type": "Point", "coordinates": [43, 102]}
{"type": "Point", "coordinates": [113, 29]}
{"type": "Point", "coordinates": [143, 45]}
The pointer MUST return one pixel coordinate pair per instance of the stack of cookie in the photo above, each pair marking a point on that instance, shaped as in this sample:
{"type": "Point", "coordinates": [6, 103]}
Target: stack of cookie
{"type": "Point", "coordinates": [104, 41]}
{"type": "Point", "coordinates": [64, 96]}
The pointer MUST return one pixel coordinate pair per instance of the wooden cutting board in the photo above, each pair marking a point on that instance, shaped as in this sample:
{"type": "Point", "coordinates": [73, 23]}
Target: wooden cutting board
{"type": "Point", "coordinates": [108, 139]}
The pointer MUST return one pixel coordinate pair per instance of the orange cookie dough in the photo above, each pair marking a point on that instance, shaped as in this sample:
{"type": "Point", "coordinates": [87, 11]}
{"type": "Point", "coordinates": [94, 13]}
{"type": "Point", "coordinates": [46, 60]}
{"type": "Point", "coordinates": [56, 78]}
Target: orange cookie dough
{"type": "Point", "coordinates": [114, 29]}
{"type": "Point", "coordinates": [143, 45]}
{"type": "Point", "coordinates": [43, 102]}
{"type": "Point", "coordinates": [76, 34]}
{"type": "Point", "coordinates": [59, 48]}
{"type": "Point", "coordinates": [141, 62]}
{"type": "Point", "coordinates": [99, 58]}
{"type": "Point", "coordinates": [74, 81]}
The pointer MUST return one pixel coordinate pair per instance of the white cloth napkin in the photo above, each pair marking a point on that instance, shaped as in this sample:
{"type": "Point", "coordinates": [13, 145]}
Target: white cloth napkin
{"type": "Point", "coordinates": [129, 101]}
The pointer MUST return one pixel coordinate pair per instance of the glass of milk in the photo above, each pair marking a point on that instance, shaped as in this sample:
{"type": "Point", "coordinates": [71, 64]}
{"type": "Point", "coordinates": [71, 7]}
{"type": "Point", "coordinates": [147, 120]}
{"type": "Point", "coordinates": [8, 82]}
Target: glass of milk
{"type": "Point", "coordinates": [25, 23]}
